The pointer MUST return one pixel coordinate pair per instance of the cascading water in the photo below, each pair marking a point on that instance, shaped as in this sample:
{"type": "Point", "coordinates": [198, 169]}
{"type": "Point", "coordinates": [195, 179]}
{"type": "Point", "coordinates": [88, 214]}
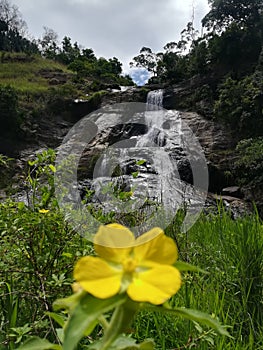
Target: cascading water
{"type": "Point", "coordinates": [154, 118]}
{"type": "Point", "coordinates": [156, 141]}
{"type": "Point", "coordinates": [145, 165]}
{"type": "Point", "coordinates": [154, 100]}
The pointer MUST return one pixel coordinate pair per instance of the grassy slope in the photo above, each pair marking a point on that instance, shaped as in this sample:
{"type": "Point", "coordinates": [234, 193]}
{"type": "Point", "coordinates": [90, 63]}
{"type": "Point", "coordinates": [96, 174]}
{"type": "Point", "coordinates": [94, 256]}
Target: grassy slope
{"type": "Point", "coordinates": [23, 72]}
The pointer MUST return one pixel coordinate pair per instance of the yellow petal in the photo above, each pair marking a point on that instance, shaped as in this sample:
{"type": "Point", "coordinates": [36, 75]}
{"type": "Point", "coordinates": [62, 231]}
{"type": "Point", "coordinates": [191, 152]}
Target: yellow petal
{"type": "Point", "coordinates": [97, 277]}
{"type": "Point", "coordinates": [155, 285]}
{"type": "Point", "coordinates": [43, 211]}
{"type": "Point", "coordinates": [157, 248]}
{"type": "Point", "coordinates": [113, 242]}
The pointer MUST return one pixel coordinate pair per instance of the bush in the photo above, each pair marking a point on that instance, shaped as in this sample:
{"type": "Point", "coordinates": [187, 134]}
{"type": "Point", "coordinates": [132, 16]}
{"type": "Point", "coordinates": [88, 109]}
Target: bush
{"type": "Point", "coordinates": [249, 165]}
{"type": "Point", "coordinates": [9, 115]}
{"type": "Point", "coordinates": [240, 106]}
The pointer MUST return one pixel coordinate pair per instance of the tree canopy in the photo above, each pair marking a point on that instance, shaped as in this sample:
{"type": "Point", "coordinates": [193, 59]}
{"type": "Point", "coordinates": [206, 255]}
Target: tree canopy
{"type": "Point", "coordinates": [245, 13]}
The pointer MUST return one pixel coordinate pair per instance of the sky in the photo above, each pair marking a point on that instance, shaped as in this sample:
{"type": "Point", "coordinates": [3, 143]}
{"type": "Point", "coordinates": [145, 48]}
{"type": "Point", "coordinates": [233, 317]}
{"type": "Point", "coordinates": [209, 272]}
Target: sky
{"type": "Point", "coordinates": [111, 28]}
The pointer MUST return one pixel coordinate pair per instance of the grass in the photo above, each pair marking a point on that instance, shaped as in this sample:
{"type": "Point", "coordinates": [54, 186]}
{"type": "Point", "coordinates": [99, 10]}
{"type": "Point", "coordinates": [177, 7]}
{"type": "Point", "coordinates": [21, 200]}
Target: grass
{"type": "Point", "coordinates": [38, 253]}
{"type": "Point", "coordinates": [232, 254]}
{"type": "Point", "coordinates": [22, 72]}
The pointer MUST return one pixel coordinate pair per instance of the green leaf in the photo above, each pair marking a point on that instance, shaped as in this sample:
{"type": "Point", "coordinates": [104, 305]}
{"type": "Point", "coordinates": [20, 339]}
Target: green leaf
{"type": "Point", "coordinates": [183, 266]}
{"type": "Point", "coordinates": [60, 334]}
{"type": "Point", "coordinates": [67, 255]}
{"type": "Point", "coordinates": [31, 163]}
{"type": "Point", "coordinates": [21, 205]}
{"type": "Point", "coordinates": [125, 343]}
{"type": "Point", "coordinates": [148, 344]}
{"type": "Point", "coordinates": [135, 174]}
{"type": "Point", "coordinates": [193, 315]}
{"type": "Point", "coordinates": [56, 317]}
{"type": "Point", "coordinates": [52, 168]}
{"type": "Point", "coordinates": [68, 303]}
{"type": "Point", "coordinates": [141, 162]}
{"type": "Point", "coordinates": [85, 317]}
{"type": "Point", "coordinates": [36, 343]}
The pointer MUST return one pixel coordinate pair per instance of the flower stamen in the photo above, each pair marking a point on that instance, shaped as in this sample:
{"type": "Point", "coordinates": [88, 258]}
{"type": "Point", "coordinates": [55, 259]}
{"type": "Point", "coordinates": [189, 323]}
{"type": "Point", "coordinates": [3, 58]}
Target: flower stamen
{"type": "Point", "coordinates": [129, 265]}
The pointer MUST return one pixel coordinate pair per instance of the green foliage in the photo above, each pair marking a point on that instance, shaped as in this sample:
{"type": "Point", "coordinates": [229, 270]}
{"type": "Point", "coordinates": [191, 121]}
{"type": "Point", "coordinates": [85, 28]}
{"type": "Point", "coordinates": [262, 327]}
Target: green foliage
{"type": "Point", "coordinates": [147, 59]}
{"type": "Point", "coordinates": [12, 41]}
{"type": "Point", "coordinates": [12, 28]}
{"type": "Point", "coordinates": [9, 117]}
{"type": "Point", "coordinates": [4, 161]}
{"type": "Point", "coordinates": [107, 71]}
{"type": "Point", "coordinates": [235, 50]}
{"type": "Point", "coordinates": [69, 52]}
{"type": "Point", "coordinates": [49, 43]}
{"type": "Point", "coordinates": [25, 73]}
{"type": "Point", "coordinates": [40, 180]}
{"type": "Point", "coordinates": [249, 164]}
{"type": "Point", "coordinates": [245, 13]}
{"type": "Point", "coordinates": [86, 312]}
{"type": "Point", "coordinates": [231, 254]}
{"type": "Point", "coordinates": [240, 106]}
{"type": "Point", "coordinates": [37, 250]}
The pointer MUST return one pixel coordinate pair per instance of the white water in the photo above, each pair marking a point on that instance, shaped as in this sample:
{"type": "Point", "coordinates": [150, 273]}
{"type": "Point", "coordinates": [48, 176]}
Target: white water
{"type": "Point", "coordinates": [158, 181]}
{"type": "Point", "coordinates": [154, 100]}
{"type": "Point", "coordinates": [154, 118]}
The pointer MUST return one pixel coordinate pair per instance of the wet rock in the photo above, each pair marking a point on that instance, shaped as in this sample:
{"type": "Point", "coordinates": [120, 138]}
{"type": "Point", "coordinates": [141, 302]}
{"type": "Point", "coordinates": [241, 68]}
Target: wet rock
{"type": "Point", "coordinates": [233, 191]}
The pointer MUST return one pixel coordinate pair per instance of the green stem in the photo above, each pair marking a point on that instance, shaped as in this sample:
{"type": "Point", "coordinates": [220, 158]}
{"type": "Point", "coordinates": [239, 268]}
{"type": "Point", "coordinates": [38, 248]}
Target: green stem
{"type": "Point", "coordinates": [114, 328]}
{"type": "Point", "coordinates": [103, 322]}
{"type": "Point", "coordinates": [120, 321]}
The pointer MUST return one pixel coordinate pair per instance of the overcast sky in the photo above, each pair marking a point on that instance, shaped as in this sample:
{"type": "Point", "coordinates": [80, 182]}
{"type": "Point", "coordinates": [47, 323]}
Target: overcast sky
{"type": "Point", "coordinates": [117, 28]}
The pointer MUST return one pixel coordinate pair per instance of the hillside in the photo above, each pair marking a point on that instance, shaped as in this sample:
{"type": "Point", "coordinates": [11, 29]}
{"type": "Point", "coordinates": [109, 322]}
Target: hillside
{"type": "Point", "coordinates": [31, 73]}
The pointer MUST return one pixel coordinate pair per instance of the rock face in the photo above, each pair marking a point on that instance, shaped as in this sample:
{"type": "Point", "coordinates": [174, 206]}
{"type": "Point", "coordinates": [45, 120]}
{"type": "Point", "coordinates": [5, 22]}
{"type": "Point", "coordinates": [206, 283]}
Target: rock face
{"type": "Point", "coordinates": [215, 140]}
{"type": "Point", "coordinates": [218, 147]}
{"type": "Point", "coordinates": [195, 94]}
{"type": "Point", "coordinates": [56, 77]}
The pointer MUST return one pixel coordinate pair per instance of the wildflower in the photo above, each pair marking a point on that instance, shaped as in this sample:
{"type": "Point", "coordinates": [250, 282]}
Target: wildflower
{"type": "Point", "coordinates": [43, 211]}
{"type": "Point", "coordinates": [141, 267]}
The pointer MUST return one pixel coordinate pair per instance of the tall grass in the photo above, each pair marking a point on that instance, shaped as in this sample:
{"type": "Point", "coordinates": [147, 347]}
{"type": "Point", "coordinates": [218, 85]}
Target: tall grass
{"type": "Point", "coordinates": [232, 254]}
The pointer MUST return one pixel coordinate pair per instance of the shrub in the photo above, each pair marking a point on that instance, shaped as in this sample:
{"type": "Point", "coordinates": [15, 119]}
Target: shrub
{"type": "Point", "coordinates": [9, 115]}
{"type": "Point", "coordinates": [249, 165]}
{"type": "Point", "coordinates": [240, 106]}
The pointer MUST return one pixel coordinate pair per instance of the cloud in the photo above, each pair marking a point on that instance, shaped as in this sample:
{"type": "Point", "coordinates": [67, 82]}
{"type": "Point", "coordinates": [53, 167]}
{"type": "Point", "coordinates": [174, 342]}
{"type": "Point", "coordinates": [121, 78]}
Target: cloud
{"type": "Point", "coordinates": [139, 75]}
{"type": "Point", "coordinates": [115, 27]}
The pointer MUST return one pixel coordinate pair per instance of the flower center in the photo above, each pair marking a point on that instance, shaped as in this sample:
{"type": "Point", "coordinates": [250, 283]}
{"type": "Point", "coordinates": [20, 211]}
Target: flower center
{"type": "Point", "coordinates": [129, 265]}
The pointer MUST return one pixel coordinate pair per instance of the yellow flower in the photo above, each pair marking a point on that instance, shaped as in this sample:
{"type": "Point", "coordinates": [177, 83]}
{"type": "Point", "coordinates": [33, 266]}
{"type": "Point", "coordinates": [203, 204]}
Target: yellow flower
{"type": "Point", "coordinates": [142, 267]}
{"type": "Point", "coordinates": [43, 211]}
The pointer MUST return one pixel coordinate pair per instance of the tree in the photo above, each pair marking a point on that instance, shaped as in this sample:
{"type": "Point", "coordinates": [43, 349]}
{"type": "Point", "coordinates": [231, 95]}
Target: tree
{"type": "Point", "coordinates": [115, 66]}
{"type": "Point", "coordinates": [49, 43]}
{"type": "Point", "coordinates": [147, 59]}
{"type": "Point", "coordinates": [69, 53]}
{"type": "Point", "coordinates": [13, 29]}
{"type": "Point", "coordinates": [88, 54]}
{"type": "Point", "coordinates": [11, 15]}
{"type": "Point", "coordinates": [245, 13]}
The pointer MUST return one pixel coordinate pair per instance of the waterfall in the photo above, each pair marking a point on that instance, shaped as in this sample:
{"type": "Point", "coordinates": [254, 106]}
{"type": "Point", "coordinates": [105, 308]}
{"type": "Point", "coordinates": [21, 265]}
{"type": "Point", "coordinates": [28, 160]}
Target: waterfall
{"type": "Point", "coordinates": [155, 184]}
{"type": "Point", "coordinates": [154, 100]}
{"type": "Point", "coordinates": [154, 118]}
